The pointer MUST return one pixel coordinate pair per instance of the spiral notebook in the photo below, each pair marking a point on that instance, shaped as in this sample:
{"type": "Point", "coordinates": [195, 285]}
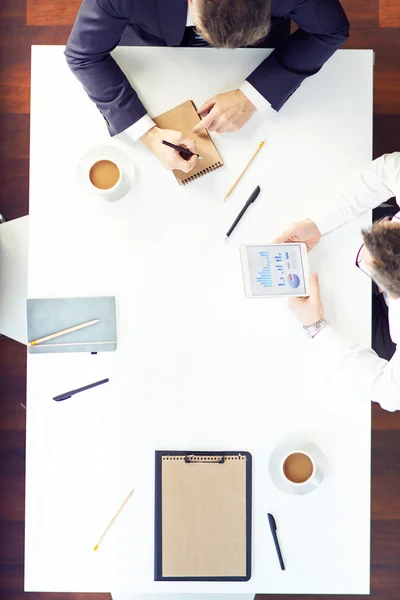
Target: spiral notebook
{"type": "Point", "coordinates": [203, 516]}
{"type": "Point", "coordinates": [183, 118]}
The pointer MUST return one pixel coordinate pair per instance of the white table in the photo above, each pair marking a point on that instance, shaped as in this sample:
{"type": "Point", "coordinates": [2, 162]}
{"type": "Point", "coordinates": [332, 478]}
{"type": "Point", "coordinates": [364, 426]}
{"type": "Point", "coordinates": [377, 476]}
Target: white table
{"type": "Point", "coordinates": [198, 366]}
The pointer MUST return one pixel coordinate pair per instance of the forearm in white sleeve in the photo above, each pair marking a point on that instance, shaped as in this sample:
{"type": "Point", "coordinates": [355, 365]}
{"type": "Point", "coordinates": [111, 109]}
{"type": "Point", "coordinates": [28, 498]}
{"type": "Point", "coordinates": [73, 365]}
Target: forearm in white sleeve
{"type": "Point", "coordinates": [372, 186]}
{"type": "Point", "coordinates": [257, 99]}
{"type": "Point", "coordinates": [377, 378]}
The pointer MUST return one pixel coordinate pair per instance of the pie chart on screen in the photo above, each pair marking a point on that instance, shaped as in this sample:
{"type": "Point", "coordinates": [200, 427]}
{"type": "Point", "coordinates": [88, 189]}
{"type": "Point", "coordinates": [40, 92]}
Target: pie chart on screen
{"type": "Point", "coordinates": [293, 280]}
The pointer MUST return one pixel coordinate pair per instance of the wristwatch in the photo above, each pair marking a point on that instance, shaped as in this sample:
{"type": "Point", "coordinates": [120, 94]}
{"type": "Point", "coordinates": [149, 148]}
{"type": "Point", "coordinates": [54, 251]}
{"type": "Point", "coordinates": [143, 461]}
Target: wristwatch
{"type": "Point", "coordinates": [312, 330]}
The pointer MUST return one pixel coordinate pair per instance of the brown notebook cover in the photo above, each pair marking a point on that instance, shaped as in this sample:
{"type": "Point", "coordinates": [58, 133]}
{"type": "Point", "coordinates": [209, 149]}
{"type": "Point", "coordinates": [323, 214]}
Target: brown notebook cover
{"type": "Point", "coordinates": [183, 118]}
{"type": "Point", "coordinates": [203, 529]}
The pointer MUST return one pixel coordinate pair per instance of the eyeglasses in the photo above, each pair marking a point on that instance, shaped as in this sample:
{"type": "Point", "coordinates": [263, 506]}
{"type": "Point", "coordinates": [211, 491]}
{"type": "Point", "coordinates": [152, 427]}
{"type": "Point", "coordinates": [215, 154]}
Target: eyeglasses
{"type": "Point", "coordinates": [359, 253]}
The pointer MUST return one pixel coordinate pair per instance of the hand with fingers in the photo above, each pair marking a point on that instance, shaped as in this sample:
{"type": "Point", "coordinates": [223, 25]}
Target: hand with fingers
{"type": "Point", "coordinates": [303, 231]}
{"type": "Point", "coordinates": [169, 157]}
{"type": "Point", "coordinates": [308, 310]}
{"type": "Point", "coordinates": [225, 113]}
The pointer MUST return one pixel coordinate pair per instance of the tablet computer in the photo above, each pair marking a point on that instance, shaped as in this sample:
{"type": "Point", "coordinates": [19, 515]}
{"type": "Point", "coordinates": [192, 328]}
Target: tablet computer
{"type": "Point", "coordinates": [275, 270]}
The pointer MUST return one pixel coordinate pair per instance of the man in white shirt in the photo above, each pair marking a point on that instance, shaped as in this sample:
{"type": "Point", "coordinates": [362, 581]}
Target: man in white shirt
{"type": "Point", "coordinates": [379, 258]}
{"type": "Point", "coordinates": [102, 24]}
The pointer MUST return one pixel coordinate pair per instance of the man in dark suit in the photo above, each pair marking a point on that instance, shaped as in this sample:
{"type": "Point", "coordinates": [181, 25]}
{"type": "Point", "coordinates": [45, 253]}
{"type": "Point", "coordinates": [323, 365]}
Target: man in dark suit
{"type": "Point", "coordinates": [102, 24]}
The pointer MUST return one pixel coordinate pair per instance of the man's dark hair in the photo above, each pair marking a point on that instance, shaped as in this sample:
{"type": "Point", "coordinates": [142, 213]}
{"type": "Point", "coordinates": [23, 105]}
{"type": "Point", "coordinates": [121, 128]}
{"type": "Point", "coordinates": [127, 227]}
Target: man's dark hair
{"type": "Point", "coordinates": [383, 242]}
{"type": "Point", "coordinates": [234, 23]}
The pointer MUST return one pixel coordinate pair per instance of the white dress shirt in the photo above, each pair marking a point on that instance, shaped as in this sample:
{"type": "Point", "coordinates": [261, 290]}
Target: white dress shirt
{"type": "Point", "coordinates": [145, 123]}
{"type": "Point", "coordinates": [379, 378]}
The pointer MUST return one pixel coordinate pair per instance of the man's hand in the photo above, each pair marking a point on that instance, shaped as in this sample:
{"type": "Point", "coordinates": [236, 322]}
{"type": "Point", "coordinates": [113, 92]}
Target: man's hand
{"type": "Point", "coordinates": [303, 231]}
{"type": "Point", "coordinates": [308, 310]}
{"type": "Point", "coordinates": [170, 158]}
{"type": "Point", "coordinates": [226, 112]}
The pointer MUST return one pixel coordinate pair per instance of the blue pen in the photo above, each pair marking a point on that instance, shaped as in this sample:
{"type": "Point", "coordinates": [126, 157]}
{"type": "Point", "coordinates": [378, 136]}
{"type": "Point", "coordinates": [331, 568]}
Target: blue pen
{"type": "Point", "coordinates": [272, 525]}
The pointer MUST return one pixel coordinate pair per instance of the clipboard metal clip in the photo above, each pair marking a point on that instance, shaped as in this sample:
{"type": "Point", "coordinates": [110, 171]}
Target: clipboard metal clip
{"type": "Point", "coordinates": [205, 458]}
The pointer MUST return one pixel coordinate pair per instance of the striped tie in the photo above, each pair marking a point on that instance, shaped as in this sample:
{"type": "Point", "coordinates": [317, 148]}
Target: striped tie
{"type": "Point", "coordinates": [194, 39]}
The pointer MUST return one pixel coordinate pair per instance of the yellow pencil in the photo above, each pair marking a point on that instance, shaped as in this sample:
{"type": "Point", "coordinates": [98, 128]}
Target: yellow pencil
{"type": "Point", "coordinates": [63, 332]}
{"type": "Point", "coordinates": [113, 520]}
{"type": "Point", "coordinates": [261, 144]}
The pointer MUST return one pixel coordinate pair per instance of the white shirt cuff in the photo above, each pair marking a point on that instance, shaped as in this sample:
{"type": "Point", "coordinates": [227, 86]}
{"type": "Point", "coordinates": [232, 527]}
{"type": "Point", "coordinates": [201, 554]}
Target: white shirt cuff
{"type": "Point", "coordinates": [255, 97]}
{"type": "Point", "coordinates": [329, 220]}
{"type": "Point", "coordinates": [139, 128]}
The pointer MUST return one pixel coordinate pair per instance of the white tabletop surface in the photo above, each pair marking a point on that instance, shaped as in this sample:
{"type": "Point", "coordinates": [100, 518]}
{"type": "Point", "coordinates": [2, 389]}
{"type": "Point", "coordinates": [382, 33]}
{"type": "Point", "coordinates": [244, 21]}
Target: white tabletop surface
{"type": "Point", "coordinates": [198, 365]}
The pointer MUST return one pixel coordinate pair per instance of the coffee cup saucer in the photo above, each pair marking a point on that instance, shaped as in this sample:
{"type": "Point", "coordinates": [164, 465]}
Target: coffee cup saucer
{"type": "Point", "coordinates": [279, 454]}
{"type": "Point", "coordinates": [114, 154]}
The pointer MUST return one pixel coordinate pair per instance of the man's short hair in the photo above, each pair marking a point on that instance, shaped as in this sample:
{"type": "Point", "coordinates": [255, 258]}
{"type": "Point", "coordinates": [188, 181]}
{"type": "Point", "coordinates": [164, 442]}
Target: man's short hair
{"type": "Point", "coordinates": [234, 23]}
{"type": "Point", "coordinates": [383, 242]}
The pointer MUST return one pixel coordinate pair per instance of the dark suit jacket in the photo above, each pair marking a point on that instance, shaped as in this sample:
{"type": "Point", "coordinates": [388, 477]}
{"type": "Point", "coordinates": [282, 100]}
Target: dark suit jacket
{"type": "Point", "coordinates": [100, 24]}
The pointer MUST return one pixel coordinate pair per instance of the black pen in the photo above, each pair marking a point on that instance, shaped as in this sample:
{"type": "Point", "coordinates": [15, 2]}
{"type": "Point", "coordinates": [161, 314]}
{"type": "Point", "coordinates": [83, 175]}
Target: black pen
{"type": "Point", "coordinates": [82, 389]}
{"type": "Point", "coordinates": [245, 207]}
{"type": "Point", "coordinates": [272, 525]}
{"type": "Point", "coordinates": [184, 152]}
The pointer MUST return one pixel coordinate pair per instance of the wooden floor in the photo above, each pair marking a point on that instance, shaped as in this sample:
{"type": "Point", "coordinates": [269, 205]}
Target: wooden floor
{"type": "Point", "coordinates": [375, 24]}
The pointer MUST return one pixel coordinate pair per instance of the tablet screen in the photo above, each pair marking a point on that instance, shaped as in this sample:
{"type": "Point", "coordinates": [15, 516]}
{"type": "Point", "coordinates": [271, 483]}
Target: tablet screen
{"type": "Point", "coordinates": [276, 269]}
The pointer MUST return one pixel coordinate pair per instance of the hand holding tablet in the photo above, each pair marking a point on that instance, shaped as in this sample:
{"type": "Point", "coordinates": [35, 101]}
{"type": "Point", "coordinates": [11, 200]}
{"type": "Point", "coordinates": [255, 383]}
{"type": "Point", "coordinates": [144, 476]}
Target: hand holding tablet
{"type": "Point", "coordinates": [275, 270]}
{"type": "Point", "coordinates": [302, 231]}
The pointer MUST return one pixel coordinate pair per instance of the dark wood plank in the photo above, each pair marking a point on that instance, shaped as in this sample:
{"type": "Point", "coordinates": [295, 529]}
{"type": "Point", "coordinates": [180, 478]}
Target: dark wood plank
{"type": "Point", "coordinates": [58, 12]}
{"type": "Point", "coordinates": [385, 475]}
{"type": "Point", "coordinates": [383, 419]}
{"type": "Point", "coordinates": [12, 10]}
{"type": "Point", "coordinates": [385, 559]}
{"type": "Point", "coordinates": [15, 63]}
{"type": "Point", "coordinates": [386, 44]}
{"type": "Point", "coordinates": [14, 160]}
{"type": "Point", "coordinates": [389, 13]}
{"type": "Point", "coordinates": [51, 12]}
{"type": "Point", "coordinates": [14, 192]}
{"type": "Point", "coordinates": [363, 13]}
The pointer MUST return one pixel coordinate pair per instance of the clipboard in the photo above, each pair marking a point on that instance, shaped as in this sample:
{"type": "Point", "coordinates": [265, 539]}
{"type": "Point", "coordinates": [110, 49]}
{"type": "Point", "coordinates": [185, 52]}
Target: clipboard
{"type": "Point", "coordinates": [203, 512]}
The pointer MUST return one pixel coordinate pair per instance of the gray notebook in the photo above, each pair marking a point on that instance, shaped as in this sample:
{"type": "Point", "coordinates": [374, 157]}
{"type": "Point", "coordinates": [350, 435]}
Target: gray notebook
{"type": "Point", "coordinates": [50, 315]}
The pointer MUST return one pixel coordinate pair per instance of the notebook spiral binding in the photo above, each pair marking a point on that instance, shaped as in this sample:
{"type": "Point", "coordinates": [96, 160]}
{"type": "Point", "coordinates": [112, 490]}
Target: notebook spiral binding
{"type": "Point", "coordinates": [203, 172]}
{"type": "Point", "coordinates": [205, 458]}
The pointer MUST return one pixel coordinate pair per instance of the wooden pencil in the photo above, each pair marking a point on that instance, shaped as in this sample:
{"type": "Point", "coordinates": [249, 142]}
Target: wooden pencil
{"type": "Point", "coordinates": [113, 520]}
{"type": "Point", "coordinates": [79, 344]}
{"type": "Point", "coordinates": [261, 144]}
{"type": "Point", "coordinates": [63, 332]}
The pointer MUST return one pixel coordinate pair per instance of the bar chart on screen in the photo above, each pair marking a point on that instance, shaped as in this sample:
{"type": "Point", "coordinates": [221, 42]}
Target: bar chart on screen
{"type": "Point", "coordinates": [264, 277]}
{"type": "Point", "coordinates": [280, 273]}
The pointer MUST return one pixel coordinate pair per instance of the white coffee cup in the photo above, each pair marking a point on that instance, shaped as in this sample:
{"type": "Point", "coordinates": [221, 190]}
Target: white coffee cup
{"type": "Point", "coordinates": [105, 191]}
{"type": "Point", "coordinates": [299, 469]}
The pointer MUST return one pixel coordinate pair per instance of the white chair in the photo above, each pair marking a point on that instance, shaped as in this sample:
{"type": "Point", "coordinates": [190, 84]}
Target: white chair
{"type": "Point", "coordinates": [14, 278]}
{"type": "Point", "coordinates": [128, 596]}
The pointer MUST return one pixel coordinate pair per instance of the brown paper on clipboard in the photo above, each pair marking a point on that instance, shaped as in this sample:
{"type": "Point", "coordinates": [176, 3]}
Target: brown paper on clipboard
{"type": "Point", "coordinates": [203, 517]}
{"type": "Point", "coordinates": [183, 118]}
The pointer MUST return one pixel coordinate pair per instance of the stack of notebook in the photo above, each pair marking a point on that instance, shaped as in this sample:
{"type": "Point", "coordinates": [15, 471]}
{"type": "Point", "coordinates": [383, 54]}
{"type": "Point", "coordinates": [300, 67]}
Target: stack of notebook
{"type": "Point", "coordinates": [50, 317]}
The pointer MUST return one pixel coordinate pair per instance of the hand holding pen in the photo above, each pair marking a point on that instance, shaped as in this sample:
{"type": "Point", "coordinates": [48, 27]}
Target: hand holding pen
{"type": "Point", "coordinates": [169, 157]}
